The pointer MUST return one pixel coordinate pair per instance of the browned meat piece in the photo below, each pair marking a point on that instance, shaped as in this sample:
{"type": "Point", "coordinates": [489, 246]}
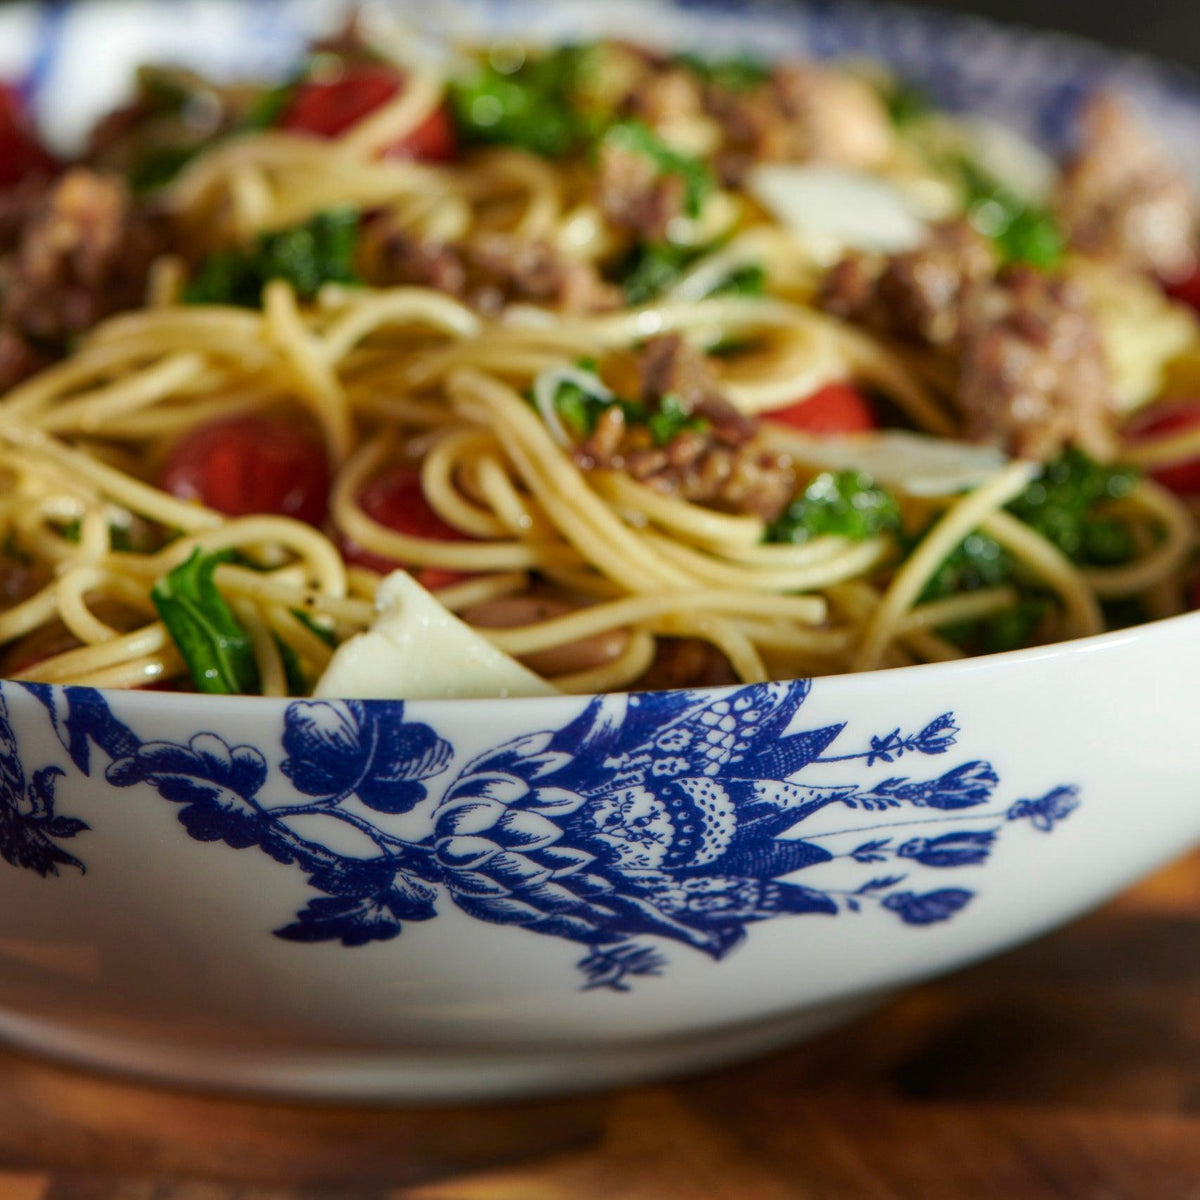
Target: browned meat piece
{"type": "Point", "coordinates": [803, 113]}
{"type": "Point", "coordinates": [79, 252]}
{"type": "Point", "coordinates": [502, 268]}
{"type": "Point", "coordinates": [488, 271]}
{"type": "Point", "coordinates": [918, 296]}
{"type": "Point", "coordinates": [1026, 353]}
{"type": "Point", "coordinates": [634, 194]}
{"type": "Point", "coordinates": [1033, 377]}
{"type": "Point", "coordinates": [388, 256]}
{"type": "Point", "coordinates": [1123, 198]}
{"type": "Point", "coordinates": [671, 366]}
{"type": "Point", "coordinates": [722, 466]}
{"type": "Point", "coordinates": [686, 663]}
{"type": "Point", "coordinates": [19, 579]}
{"type": "Point", "coordinates": [18, 359]}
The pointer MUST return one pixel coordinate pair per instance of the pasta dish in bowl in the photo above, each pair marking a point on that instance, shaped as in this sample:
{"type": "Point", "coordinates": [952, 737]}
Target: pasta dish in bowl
{"type": "Point", "coordinates": [661, 371]}
{"type": "Point", "coordinates": [642, 385]}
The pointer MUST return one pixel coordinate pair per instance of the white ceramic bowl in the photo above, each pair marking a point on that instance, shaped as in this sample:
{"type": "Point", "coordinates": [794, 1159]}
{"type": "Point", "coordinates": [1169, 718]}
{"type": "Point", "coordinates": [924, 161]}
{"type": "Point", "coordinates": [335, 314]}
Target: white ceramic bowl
{"type": "Point", "coordinates": [477, 899]}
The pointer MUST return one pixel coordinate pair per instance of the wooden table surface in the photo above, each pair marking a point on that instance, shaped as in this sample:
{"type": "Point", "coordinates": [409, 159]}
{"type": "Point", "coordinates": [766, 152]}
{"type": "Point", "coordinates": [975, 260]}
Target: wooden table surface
{"type": "Point", "coordinates": [1069, 1068]}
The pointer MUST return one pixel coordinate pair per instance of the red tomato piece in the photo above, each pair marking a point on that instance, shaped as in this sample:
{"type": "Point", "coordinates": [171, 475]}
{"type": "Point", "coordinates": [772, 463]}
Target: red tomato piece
{"type": "Point", "coordinates": [21, 153]}
{"type": "Point", "coordinates": [1186, 291]}
{"type": "Point", "coordinates": [1163, 421]}
{"type": "Point", "coordinates": [327, 108]}
{"type": "Point", "coordinates": [395, 500]}
{"type": "Point", "coordinates": [243, 466]}
{"type": "Point", "coordinates": [830, 411]}
{"type": "Point", "coordinates": [434, 140]}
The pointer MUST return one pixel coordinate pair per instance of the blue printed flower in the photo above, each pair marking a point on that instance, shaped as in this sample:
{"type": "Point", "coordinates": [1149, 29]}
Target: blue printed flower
{"type": "Point", "coordinates": [29, 826]}
{"type": "Point", "coordinates": [342, 748]}
{"type": "Point", "coordinates": [963, 848]}
{"type": "Point", "coordinates": [938, 736]}
{"type": "Point", "coordinates": [929, 908]}
{"type": "Point", "coordinates": [965, 786]}
{"type": "Point", "coordinates": [678, 816]}
{"type": "Point", "coordinates": [1045, 813]}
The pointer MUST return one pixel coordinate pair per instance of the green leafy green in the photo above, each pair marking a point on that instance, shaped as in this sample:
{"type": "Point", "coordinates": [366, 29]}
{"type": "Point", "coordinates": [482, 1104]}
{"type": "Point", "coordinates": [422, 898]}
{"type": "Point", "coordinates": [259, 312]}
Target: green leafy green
{"type": "Point", "coordinates": [907, 104]}
{"type": "Point", "coordinates": [636, 137]}
{"type": "Point", "coordinates": [156, 167]}
{"type": "Point", "coordinates": [526, 103]}
{"type": "Point", "coordinates": [308, 256]}
{"type": "Point", "coordinates": [268, 107]}
{"type": "Point", "coordinates": [842, 503]}
{"type": "Point", "coordinates": [1011, 629]}
{"type": "Point", "coordinates": [668, 420]}
{"type": "Point", "coordinates": [217, 649]}
{"type": "Point", "coordinates": [314, 626]}
{"type": "Point", "coordinates": [1022, 232]}
{"type": "Point", "coordinates": [747, 280]}
{"type": "Point", "coordinates": [740, 73]}
{"type": "Point", "coordinates": [293, 670]}
{"type": "Point", "coordinates": [977, 562]}
{"type": "Point", "coordinates": [581, 409]}
{"type": "Point", "coordinates": [652, 268]}
{"type": "Point", "coordinates": [120, 537]}
{"type": "Point", "coordinates": [1065, 505]}
{"type": "Point", "coordinates": [1061, 505]}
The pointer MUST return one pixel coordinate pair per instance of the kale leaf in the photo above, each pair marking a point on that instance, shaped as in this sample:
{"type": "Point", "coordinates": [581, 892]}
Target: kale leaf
{"type": "Point", "coordinates": [654, 267]}
{"type": "Point", "coordinates": [840, 503]}
{"type": "Point", "coordinates": [740, 73]}
{"type": "Point", "coordinates": [636, 137]}
{"type": "Point", "coordinates": [581, 410]}
{"type": "Point", "coordinates": [308, 256]}
{"type": "Point", "coordinates": [217, 649]}
{"type": "Point", "coordinates": [1065, 505]}
{"type": "Point", "coordinates": [1061, 503]}
{"type": "Point", "coordinates": [527, 104]}
{"type": "Point", "coordinates": [1021, 232]}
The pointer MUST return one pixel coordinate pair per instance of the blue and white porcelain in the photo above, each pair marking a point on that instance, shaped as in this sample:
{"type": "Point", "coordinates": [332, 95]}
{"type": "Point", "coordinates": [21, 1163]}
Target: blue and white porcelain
{"type": "Point", "coordinates": [468, 899]}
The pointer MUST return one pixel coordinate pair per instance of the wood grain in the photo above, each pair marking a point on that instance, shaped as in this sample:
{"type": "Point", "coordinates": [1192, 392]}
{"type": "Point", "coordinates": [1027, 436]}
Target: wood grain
{"type": "Point", "coordinates": [1068, 1069]}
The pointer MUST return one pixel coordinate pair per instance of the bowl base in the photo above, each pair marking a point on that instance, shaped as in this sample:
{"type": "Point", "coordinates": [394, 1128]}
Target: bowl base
{"type": "Point", "coordinates": [441, 1076]}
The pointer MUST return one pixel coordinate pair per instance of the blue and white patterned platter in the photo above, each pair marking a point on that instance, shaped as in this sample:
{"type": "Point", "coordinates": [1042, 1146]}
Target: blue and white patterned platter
{"type": "Point", "coordinates": [485, 898]}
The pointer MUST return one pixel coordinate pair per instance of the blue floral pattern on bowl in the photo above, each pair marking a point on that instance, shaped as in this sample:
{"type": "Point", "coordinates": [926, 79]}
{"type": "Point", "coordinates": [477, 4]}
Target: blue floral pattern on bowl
{"type": "Point", "coordinates": [665, 817]}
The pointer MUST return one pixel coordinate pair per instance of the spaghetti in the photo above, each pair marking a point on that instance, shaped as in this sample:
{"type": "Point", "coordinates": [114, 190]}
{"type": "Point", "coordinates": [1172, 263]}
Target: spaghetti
{"type": "Point", "coordinates": [595, 385]}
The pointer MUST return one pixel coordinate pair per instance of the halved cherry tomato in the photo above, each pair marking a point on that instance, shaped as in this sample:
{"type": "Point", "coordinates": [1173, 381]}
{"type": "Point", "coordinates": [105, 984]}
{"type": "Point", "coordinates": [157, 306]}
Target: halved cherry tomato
{"type": "Point", "coordinates": [21, 153]}
{"type": "Point", "coordinates": [395, 499]}
{"type": "Point", "coordinates": [434, 140]}
{"type": "Point", "coordinates": [1186, 291]}
{"type": "Point", "coordinates": [243, 466]}
{"type": "Point", "coordinates": [1166, 420]}
{"type": "Point", "coordinates": [327, 108]}
{"type": "Point", "coordinates": [834, 409]}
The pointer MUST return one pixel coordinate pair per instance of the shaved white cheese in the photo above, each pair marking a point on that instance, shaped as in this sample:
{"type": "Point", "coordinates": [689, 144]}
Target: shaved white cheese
{"type": "Point", "coordinates": [1012, 160]}
{"type": "Point", "coordinates": [833, 209]}
{"type": "Point", "coordinates": [418, 650]}
{"type": "Point", "coordinates": [909, 462]}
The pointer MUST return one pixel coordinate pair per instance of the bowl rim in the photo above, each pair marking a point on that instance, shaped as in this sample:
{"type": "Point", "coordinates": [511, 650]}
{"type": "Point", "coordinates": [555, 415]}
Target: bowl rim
{"type": "Point", "coordinates": [141, 700]}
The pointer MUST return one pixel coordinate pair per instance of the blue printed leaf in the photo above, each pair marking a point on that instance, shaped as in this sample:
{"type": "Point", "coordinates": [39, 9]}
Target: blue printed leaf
{"type": "Point", "coordinates": [929, 908]}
